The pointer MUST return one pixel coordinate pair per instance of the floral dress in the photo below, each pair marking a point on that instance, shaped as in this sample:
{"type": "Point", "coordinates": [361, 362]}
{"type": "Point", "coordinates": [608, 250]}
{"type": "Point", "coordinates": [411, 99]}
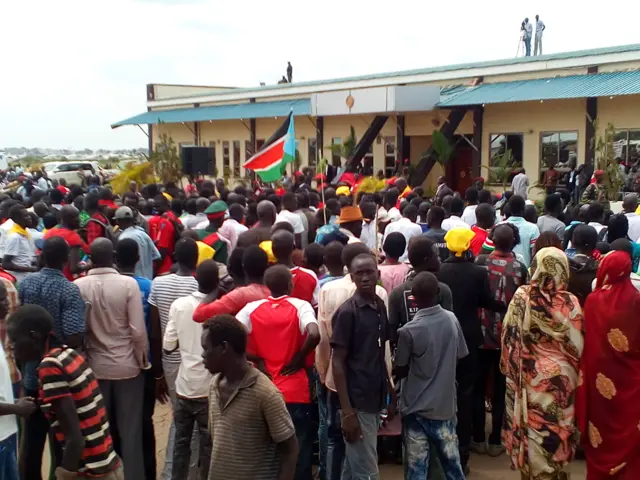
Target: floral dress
{"type": "Point", "coordinates": [541, 346]}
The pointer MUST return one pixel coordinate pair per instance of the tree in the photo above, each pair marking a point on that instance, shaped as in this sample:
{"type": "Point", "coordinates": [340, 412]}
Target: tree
{"type": "Point", "coordinates": [166, 161]}
{"type": "Point", "coordinates": [606, 161]}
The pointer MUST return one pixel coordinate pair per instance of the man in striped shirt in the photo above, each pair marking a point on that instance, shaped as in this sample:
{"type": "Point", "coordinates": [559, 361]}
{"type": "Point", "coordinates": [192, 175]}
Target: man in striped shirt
{"type": "Point", "coordinates": [71, 398]}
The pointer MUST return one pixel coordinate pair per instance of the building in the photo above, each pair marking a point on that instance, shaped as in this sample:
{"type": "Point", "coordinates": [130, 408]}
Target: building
{"type": "Point", "coordinates": [541, 108]}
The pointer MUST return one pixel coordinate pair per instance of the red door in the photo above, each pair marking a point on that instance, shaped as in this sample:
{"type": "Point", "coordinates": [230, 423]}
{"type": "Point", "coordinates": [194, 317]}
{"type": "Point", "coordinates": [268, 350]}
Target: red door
{"type": "Point", "coordinates": [459, 169]}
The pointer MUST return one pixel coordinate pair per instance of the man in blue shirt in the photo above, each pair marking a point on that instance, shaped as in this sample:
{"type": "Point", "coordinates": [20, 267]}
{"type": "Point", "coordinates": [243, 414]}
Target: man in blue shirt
{"type": "Point", "coordinates": [49, 289]}
{"type": "Point", "coordinates": [529, 232]}
{"type": "Point", "coordinates": [147, 251]}
{"type": "Point", "coordinates": [127, 258]}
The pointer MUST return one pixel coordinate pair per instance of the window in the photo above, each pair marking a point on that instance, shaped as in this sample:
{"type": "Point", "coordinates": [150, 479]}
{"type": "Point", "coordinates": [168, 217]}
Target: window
{"type": "Point", "coordinates": [312, 151]}
{"type": "Point", "coordinates": [248, 153]}
{"type": "Point", "coordinates": [557, 149]}
{"type": "Point", "coordinates": [389, 156]}
{"type": "Point", "coordinates": [502, 164]}
{"type": "Point", "coordinates": [226, 170]}
{"type": "Point", "coordinates": [335, 157]}
{"type": "Point", "coordinates": [627, 145]}
{"type": "Point", "coordinates": [212, 146]}
{"type": "Point", "coordinates": [236, 158]}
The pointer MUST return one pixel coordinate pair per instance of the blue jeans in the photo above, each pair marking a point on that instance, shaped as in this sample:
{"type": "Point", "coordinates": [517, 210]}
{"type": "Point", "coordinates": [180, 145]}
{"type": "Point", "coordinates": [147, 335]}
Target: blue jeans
{"type": "Point", "coordinates": [417, 433]}
{"type": "Point", "coordinates": [9, 458]}
{"type": "Point", "coordinates": [301, 417]}
{"type": "Point", "coordinates": [527, 46]}
{"type": "Point", "coordinates": [361, 458]}
{"type": "Point", "coordinates": [335, 442]}
{"type": "Point", "coordinates": [322, 430]}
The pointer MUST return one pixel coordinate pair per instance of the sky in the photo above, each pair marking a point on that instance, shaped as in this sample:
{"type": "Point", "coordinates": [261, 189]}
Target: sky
{"type": "Point", "coordinates": [68, 69]}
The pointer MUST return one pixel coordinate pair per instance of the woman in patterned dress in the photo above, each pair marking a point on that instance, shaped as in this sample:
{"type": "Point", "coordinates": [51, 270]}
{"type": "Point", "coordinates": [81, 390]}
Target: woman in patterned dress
{"type": "Point", "coordinates": [608, 399]}
{"type": "Point", "coordinates": [541, 346]}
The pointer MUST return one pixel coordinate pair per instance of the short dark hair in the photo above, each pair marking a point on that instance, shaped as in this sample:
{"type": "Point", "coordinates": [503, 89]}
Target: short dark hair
{"type": "Point", "coordinates": [236, 211]}
{"type": "Point", "coordinates": [618, 227]}
{"type": "Point", "coordinates": [585, 236]}
{"type": "Point", "coordinates": [457, 206]}
{"type": "Point", "coordinates": [425, 286]}
{"type": "Point", "coordinates": [485, 215]}
{"type": "Point", "coordinates": [421, 249]}
{"type": "Point", "coordinates": [30, 318]}
{"type": "Point", "coordinates": [49, 220]}
{"type": "Point", "coordinates": [16, 212]}
{"type": "Point", "coordinates": [208, 275]}
{"type": "Point", "coordinates": [186, 252]}
{"type": "Point", "coordinates": [553, 203]}
{"type": "Point", "coordinates": [225, 328]}
{"type": "Point", "coordinates": [517, 205]}
{"type": "Point", "coordinates": [277, 279]}
{"type": "Point", "coordinates": [332, 254]}
{"type": "Point", "coordinates": [254, 262]}
{"type": "Point", "coordinates": [352, 250]}
{"type": "Point", "coordinates": [596, 212]}
{"type": "Point", "coordinates": [436, 214]}
{"type": "Point", "coordinates": [314, 255]}
{"type": "Point", "coordinates": [471, 195]}
{"type": "Point", "coordinates": [127, 252]}
{"type": "Point", "coordinates": [410, 211]}
{"type": "Point", "coordinates": [55, 252]}
{"type": "Point", "coordinates": [191, 206]}
{"type": "Point", "coordinates": [56, 196]}
{"type": "Point", "coordinates": [395, 245]}
{"type": "Point", "coordinates": [484, 196]}
{"type": "Point", "coordinates": [623, 245]}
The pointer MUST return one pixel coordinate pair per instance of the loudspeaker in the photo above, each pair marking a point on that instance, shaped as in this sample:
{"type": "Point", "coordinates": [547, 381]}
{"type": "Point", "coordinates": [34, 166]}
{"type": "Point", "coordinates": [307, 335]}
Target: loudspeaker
{"type": "Point", "coordinates": [197, 160]}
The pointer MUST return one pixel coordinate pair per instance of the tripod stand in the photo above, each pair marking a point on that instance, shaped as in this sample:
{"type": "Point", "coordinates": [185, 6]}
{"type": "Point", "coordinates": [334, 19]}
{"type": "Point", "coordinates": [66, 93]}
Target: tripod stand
{"type": "Point", "coordinates": [520, 45]}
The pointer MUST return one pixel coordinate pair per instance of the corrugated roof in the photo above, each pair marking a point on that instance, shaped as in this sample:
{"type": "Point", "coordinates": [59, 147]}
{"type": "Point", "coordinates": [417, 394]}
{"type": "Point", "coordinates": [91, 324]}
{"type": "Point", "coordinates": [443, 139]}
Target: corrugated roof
{"type": "Point", "coordinates": [574, 86]}
{"type": "Point", "coordinates": [438, 69]}
{"type": "Point", "coordinates": [221, 112]}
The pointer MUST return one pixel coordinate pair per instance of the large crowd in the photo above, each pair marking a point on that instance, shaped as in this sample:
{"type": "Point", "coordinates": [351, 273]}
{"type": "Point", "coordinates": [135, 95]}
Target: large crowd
{"type": "Point", "coordinates": [316, 323]}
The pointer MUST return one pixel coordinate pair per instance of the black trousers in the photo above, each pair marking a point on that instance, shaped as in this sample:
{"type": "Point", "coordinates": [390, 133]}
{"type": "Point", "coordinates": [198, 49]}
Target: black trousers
{"type": "Point", "coordinates": [466, 378]}
{"type": "Point", "coordinates": [488, 366]}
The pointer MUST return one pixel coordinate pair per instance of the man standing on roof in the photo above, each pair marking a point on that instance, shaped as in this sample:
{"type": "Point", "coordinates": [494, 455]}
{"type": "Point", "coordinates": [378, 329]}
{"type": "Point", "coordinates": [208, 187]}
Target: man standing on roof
{"type": "Point", "coordinates": [528, 33]}
{"type": "Point", "coordinates": [540, 27]}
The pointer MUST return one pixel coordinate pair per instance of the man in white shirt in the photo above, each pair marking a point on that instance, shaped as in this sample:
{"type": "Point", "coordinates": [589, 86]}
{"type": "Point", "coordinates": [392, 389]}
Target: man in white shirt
{"type": "Point", "coordinates": [407, 226]}
{"type": "Point", "coordinates": [20, 251]}
{"type": "Point", "coordinates": [596, 217]}
{"type": "Point", "coordinates": [528, 33]}
{"type": "Point", "coordinates": [236, 218]}
{"type": "Point", "coordinates": [520, 184]}
{"type": "Point", "coordinates": [540, 27]}
{"type": "Point", "coordinates": [288, 215]}
{"type": "Point", "coordinates": [389, 203]}
{"type": "Point", "coordinates": [454, 220]}
{"type": "Point", "coordinates": [630, 205]}
{"type": "Point", "coordinates": [192, 382]}
{"type": "Point", "coordinates": [469, 214]}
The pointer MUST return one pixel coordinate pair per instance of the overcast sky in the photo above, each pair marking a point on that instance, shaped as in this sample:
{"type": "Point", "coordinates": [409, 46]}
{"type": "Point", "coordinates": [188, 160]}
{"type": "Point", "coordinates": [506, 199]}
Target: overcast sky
{"type": "Point", "coordinates": [70, 68]}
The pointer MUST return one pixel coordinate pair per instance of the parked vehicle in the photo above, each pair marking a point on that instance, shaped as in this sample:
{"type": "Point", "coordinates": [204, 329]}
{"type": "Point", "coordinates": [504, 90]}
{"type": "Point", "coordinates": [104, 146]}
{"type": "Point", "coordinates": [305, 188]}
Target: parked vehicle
{"type": "Point", "coordinates": [77, 172]}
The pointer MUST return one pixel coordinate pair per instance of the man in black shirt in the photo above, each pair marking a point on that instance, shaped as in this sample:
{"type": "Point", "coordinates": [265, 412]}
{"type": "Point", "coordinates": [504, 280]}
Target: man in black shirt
{"type": "Point", "coordinates": [435, 217]}
{"type": "Point", "coordinates": [469, 284]}
{"type": "Point", "coordinates": [358, 342]}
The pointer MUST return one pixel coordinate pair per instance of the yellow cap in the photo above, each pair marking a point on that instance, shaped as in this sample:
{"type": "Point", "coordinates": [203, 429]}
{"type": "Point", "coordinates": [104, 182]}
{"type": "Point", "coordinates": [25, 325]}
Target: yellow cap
{"type": "Point", "coordinates": [267, 246]}
{"type": "Point", "coordinates": [458, 240]}
{"type": "Point", "coordinates": [343, 190]}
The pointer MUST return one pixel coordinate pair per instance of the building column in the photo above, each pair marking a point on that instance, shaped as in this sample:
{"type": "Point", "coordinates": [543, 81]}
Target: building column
{"type": "Point", "coordinates": [476, 159]}
{"type": "Point", "coordinates": [319, 140]}
{"type": "Point", "coordinates": [400, 140]}
{"type": "Point", "coordinates": [150, 96]}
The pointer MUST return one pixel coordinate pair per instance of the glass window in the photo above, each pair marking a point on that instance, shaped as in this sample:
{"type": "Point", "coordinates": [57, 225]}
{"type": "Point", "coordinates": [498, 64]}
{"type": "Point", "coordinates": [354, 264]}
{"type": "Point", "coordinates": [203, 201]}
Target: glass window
{"type": "Point", "coordinates": [389, 156]}
{"type": "Point", "coordinates": [627, 145]}
{"type": "Point", "coordinates": [335, 158]}
{"type": "Point", "coordinates": [312, 151]}
{"type": "Point", "coordinates": [558, 149]}
{"type": "Point", "coordinates": [505, 155]}
{"type": "Point", "coordinates": [236, 158]}
{"type": "Point", "coordinates": [226, 169]}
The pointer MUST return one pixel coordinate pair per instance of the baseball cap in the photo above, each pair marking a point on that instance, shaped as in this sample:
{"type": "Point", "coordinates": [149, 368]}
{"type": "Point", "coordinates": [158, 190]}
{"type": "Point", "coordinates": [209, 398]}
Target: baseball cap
{"type": "Point", "coordinates": [123, 212]}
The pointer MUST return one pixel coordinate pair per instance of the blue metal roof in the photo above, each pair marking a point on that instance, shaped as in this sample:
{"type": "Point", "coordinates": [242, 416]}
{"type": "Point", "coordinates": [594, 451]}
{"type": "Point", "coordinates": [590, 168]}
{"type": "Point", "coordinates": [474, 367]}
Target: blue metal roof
{"type": "Point", "coordinates": [221, 112]}
{"type": "Point", "coordinates": [574, 86]}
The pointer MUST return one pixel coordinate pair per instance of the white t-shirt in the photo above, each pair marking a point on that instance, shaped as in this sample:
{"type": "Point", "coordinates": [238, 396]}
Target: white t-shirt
{"type": "Point", "coordinates": [4, 231]}
{"type": "Point", "coordinates": [469, 215]}
{"type": "Point", "coordinates": [454, 222]}
{"type": "Point", "coordinates": [8, 423]}
{"type": "Point", "coordinates": [528, 29]}
{"type": "Point", "coordinates": [407, 228]}
{"type": "Point", "coordinates": [539, 28]}
{"type": "Point", "coordinates": [22, 250]}
{"type": "Point", "coordinates": [292, 219]}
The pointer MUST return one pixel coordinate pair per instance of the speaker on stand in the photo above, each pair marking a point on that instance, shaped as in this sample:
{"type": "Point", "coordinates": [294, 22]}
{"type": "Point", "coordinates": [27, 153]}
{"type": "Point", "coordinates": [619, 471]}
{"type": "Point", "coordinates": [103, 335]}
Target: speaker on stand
{"type": "Point", "coordinates": [197, 160]}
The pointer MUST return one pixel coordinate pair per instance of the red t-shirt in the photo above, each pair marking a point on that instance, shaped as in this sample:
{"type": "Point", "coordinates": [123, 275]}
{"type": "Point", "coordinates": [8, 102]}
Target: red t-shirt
{"type": "Point", "coordinates": [73, 239]}
{"type": "Point", "coordinates": [476, 242]}
{"type": "Point", "coordinates": [231, 303]}
{"type": "Point", "coordinates": [305, 285]}
{"type": "Point", "coordinates": [277, 330]}
{"type": "Point", "coordinates": [162, 232]}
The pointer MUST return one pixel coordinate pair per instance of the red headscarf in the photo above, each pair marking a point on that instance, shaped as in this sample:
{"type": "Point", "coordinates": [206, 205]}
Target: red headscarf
{"type": "Point", "coordinates": [608, 398]}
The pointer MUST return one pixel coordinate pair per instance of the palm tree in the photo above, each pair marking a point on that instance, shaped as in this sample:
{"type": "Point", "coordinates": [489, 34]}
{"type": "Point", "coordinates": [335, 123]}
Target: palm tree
{"type": "Point", "coordinates": [347, 148]}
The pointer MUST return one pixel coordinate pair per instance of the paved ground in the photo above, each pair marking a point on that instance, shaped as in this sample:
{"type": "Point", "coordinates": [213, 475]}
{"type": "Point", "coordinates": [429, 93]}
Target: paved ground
{"type": "Point", "coordinates": [482, 467]}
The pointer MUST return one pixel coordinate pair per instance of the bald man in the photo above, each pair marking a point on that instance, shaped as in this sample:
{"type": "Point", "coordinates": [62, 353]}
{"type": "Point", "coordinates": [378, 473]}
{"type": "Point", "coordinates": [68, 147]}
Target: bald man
{"type": "Point", "coordinates": [261, 231]}
{"type": "Point", "coordinates": [117, 349]}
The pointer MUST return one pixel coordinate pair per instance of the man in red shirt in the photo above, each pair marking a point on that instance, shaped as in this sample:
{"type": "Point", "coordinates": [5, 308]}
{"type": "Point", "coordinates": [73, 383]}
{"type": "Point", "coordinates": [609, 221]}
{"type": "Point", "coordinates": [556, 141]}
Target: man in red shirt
{"type": "Point", "coordinates": [283, 332]}
{"type": "Point", "coordinates": [97, 224]}
{"type": "Point", "coordinates": [254, 263]}
{"type": "Point", "coordinates": [485, 218]}
{"type": "Point", "coordinates": [70, 221]}
{"type": "Point", "coordinates": [305, 282]}
{"type": "Point", "coordinates": [162, 231]}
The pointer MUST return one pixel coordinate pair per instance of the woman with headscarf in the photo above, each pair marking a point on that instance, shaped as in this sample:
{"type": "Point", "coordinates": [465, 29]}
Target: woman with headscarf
{"type": "Point", "coordinates": [541, 347]}
{"type": "Point", "coordinates": [608, 399]}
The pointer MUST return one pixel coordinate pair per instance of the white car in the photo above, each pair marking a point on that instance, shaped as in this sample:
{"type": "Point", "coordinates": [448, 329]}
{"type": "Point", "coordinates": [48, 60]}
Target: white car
{"type": "Point", "coordinates": [76, 172]}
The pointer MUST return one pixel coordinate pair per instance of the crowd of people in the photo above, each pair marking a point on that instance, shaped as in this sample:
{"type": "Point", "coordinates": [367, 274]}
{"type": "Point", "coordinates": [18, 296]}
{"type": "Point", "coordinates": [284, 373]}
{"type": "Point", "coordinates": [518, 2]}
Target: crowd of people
{"type": "Point", "coordinates": [281, 323]}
